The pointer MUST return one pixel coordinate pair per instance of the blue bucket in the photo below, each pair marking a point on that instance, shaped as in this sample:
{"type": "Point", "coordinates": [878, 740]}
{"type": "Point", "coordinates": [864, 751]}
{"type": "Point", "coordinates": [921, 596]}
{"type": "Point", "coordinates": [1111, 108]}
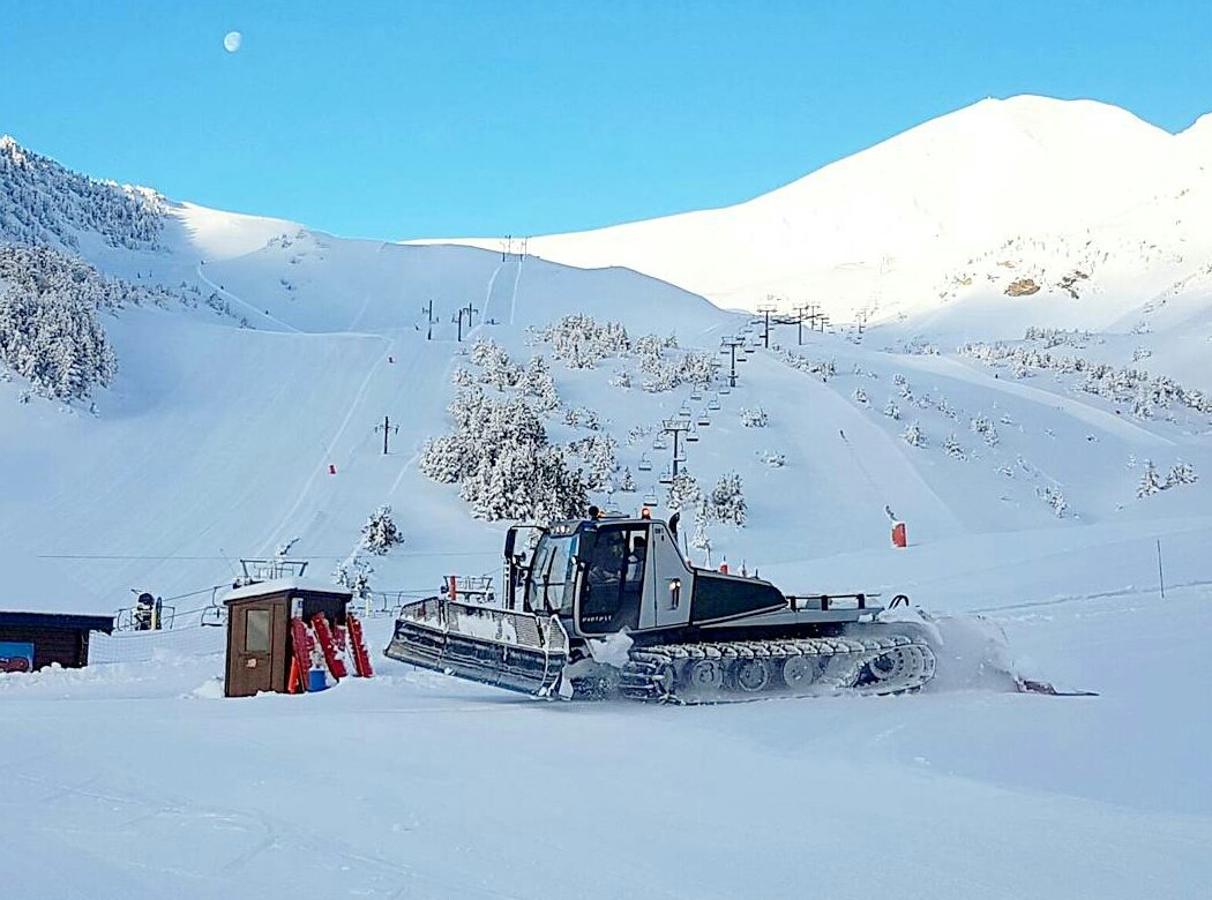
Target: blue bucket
{"type": "Point", "coordinates": [316, 680]}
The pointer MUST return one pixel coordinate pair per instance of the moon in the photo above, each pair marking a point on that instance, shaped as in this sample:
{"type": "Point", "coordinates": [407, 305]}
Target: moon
{"type": "Point", "coordinates": [232, 41]}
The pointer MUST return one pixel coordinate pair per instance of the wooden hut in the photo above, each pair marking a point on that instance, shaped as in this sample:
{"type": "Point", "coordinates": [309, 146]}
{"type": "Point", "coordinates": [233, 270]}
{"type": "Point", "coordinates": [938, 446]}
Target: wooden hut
{"type": "Point", "coordinates": [29, 641]}
{"type": "Point", "coordinates": [259, 645]}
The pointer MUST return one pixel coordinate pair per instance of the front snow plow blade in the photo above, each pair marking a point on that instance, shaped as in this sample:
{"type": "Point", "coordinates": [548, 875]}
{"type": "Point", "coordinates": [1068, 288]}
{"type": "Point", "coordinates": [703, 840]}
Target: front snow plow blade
{"type": "Point", "coordinates": [517, 651]}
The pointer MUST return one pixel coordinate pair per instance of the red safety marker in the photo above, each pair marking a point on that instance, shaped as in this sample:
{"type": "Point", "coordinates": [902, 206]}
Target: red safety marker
{"type": "Point", "coordinates": [899, 538]}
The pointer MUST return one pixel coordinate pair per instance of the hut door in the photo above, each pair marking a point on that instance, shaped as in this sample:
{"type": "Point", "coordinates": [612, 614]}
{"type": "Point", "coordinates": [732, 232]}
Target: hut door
{"type": "Point", "coordinates": [254, 635]}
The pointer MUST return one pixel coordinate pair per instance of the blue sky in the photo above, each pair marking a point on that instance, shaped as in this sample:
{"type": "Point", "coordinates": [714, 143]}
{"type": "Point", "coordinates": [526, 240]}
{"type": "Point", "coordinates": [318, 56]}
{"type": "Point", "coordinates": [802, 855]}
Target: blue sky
{"type": "Point", "coordinates": [455, 118]}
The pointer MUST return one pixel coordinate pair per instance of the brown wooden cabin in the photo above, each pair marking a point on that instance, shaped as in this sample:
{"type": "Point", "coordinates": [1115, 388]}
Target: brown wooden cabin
{"type": "Point", "coordinates": [52, 637]}
{"type": "Point", "coordinates": [259, 646]}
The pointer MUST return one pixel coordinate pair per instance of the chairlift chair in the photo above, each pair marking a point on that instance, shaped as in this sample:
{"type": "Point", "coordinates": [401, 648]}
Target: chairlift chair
{"type": "Point", "coordinates": [696, 394]}
{"type": "Point", "coordinates": [215, 614]}
{"type": "Point", "coordinates": [666, 477]}
{"type": "Point", "coordinates": [660, 443]}
{"type": "Point", "coordinates": [645, 464]}
{"type": "Point", "coordinates": [704, 419]}
{"type": "Point", "coordinates": [725, 390]}
{"type": "Point", "coordinates": [692, 436]}
{"type": "Point", "coordinates": [650, 498]}
{"type": "Point", "coordinates": [713, 404]}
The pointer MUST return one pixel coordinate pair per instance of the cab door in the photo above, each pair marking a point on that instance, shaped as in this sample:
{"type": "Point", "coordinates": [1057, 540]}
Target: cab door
{"type": "Point", "coordinates": [612, 584]}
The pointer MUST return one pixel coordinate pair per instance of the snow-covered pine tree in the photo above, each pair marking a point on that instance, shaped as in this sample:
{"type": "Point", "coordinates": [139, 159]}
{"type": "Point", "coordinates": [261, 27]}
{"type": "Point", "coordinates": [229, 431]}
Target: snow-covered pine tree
{"type": "Point", "coordinates": [701, 539]}
{"type": "Point", "coordinates": [538, 384]}
{"type": "Point", "coordinates": [772, 458]}
{"type": "Point", "coordinates": [44, 204]}
{"type": "Point", "coordinates": [599, 453]}
{"type": "Point", "coordinates": [913, 435]}
{"type": "Point", "coordinates": [1150, 481]}
{"type": "Point", "coordinates": [860, 397]}
{"type": "Point", "coordinates": [754, 417]}
{"type": "Point", "coordinates": [1054, 498]}
{"type": "Point", "coordinates": [952, 447]}
{"type": "Point", "coordinates": [498, 370]}
{"type": "Point", "coordinates": [684, 492]}
{"type": "Point", "coordinates": [354, 575]}
{"type": "Point", "coordinates": [380, 534]}
{"type": "Point", "coordinates": [581, 342]}
{"type": "Point", "coordinates": [985, 428]}
{"type": "Point", "coordinates": [891, 410]}
{"type": "Point", "coordinates": [1181, 473]}
{"type": "Point", "coordinates": [727, 501]}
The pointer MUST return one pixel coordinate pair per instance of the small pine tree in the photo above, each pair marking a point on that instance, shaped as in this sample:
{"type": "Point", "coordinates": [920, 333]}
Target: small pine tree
{"type": "Point", "coordinates": [380, 534]}
{"type": "Point", "coordinates": [627, 483]}
{"type": "Point", "coordinates": [354, 575]}
{"type": "Point", "coordinates": [1150, 481]}
{"type": "Point", "coordinates": [727, 501]}
{"type": "Point", "coordinates": [684, 492]}
{"type": "Point", "coordinates": [1181, 473]}
{"type": "Point", "coordinates": [701, 539]}
{"type": "Point", "coordinates": [891, 410]}
{"type": "Point", "coordinates": [754, 417]}
{"type": "Point", "coordinates": [860, 397]}
{"type": "Point", "coordinates": [986, 429]}
{"type": "Point", "coordinates": [952, 447]}
{"type": "Point", "coordinates": [914, 436]}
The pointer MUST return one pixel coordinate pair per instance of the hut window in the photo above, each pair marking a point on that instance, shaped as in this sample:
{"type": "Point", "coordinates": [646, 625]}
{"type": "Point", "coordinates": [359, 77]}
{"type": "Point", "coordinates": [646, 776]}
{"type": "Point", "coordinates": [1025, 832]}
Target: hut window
{"type": "Point", "coordinates": [256, 631]}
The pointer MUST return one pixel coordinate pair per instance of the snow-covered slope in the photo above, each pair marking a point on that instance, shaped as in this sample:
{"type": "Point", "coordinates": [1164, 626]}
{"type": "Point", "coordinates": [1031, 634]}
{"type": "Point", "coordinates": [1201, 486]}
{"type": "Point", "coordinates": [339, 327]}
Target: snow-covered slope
{"type": "Point", "coordinates": [960, 206]}
{"type": "Point", "coordinates": [215, 440]}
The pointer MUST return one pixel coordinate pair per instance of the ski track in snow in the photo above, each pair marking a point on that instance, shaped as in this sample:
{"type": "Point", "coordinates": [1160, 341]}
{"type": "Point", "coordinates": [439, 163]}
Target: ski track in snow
{"type": "Point", "coordinates": [278, 533]}
{"type": "Point", "coordinates": [488, 291]}
{"type": "Point", "coordinates": [513, 297]}
{"type": "Point", "coordinates": [254, 310]}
